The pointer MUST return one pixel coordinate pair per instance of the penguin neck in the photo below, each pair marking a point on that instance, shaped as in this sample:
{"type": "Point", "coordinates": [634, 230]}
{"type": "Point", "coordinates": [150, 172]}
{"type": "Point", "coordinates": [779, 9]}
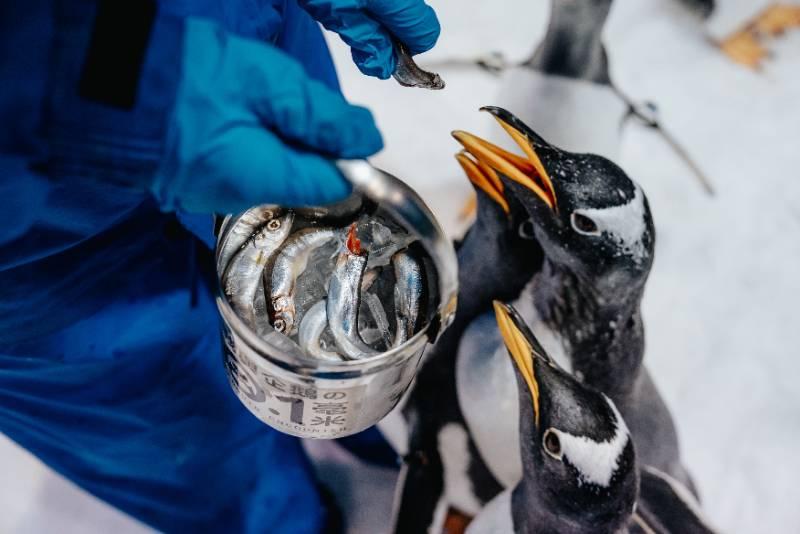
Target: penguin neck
{"type": "Point", "coordinates": [602, 335]}
{"type": "Point", "coordinates": [530, 511]}
{"type": "Point", "coordinates": [493, 263]}
{"type": "Point", "coordinates": [538, 511]}
{"type": "Point", "coordinates": [534, 511]}
{"type": "Point", "coordinates": [572, 46]}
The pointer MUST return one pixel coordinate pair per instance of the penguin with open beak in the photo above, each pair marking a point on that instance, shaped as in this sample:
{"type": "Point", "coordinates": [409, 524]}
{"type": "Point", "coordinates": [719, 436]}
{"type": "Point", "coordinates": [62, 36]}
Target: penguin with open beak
{"type": "Point", "coordinates": [495, 258]}
{"type": "Point", "coordinates": [580, 470]}
{"type": "Point", "coordinates": [579, 465]}
{"type": "Point", "coordinates": [595, 228]}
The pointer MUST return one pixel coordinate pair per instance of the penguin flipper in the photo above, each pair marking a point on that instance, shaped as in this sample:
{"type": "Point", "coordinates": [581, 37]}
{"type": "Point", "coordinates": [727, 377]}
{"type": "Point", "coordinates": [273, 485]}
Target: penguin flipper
{"type": "Point", "coordinates": [666, 505]}
{"type": "Point", "coordinates": [420, 487]}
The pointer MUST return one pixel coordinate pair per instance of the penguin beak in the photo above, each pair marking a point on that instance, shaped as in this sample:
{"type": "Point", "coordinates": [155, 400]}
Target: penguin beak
{"type": "Point", "coordinates": [528, 171]}
{"type": "Point", "coordinates": [484, 178]}
{"type": "Point", "coordinates": [523, 348]}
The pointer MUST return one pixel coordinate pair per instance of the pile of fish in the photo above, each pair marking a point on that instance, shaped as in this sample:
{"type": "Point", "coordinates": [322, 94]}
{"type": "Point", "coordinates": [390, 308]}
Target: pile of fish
{"type": "Point", "coordinates": [330, 290]}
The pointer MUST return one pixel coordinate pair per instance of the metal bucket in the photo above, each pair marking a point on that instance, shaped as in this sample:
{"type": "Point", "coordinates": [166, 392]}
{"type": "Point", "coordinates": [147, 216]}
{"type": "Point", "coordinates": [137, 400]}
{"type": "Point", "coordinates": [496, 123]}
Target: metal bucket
{"type": "Point", "coordinates": [311, 398]}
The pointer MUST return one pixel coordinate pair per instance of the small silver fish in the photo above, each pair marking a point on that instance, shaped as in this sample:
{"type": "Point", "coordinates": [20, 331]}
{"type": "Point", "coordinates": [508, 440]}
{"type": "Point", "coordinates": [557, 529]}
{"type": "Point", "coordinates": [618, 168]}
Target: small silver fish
{"type": "Point", "coordinates": [311, 327]}
{"type": "Point", "coordinates": [243, 274]}
{"type": "Point", "coordinates": [292, 260]}
{"type": "Point", "coordinates": [243, 230]}
{"type": "Point", "coordinates": [409, 74]}
{"type": "Point", "coordinates": [407, 295]}
{"type": "Point", "coordinates": [344, 299]}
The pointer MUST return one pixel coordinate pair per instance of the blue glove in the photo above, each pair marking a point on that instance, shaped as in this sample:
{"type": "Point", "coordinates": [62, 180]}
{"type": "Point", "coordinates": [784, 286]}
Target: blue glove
{"type": "Point", "coordinates": [369, 25]}
{"type": "Point", "coordinates": [250, 127]}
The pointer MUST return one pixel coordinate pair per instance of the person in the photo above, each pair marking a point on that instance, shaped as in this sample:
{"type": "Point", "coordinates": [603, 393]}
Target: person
{"type": "Point", "coordinates": [125, 125]}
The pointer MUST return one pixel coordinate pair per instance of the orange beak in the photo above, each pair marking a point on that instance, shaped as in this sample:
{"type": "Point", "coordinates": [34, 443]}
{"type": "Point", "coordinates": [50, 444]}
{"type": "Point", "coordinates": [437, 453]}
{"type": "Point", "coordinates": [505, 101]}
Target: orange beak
{"type": "Point", "coordinates": [488, 159]}
{"type": "Point", "coordinates": [483, 177]}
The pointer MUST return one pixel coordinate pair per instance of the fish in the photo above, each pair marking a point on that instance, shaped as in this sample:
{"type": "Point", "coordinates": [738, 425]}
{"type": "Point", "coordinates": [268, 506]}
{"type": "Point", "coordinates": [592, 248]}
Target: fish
{"type": "Point", "coordinates": [407, 294]}
{"type": "Point", "coordinates": [246, 226]}
{"type": "Point", "coordinates": [290, 263]}
{"type": "Point", "coordinates": [344, 299]}
{"type": "Point", "coordinates": [409, 74]}
{"type": "Point", "coordinates": [243, 273]}
{"type": "Point", "coordinates": [311, 327]}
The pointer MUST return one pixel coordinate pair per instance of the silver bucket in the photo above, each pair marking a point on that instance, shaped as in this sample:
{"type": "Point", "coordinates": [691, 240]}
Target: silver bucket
{"type": "Point", "coordinates": [311, 398]}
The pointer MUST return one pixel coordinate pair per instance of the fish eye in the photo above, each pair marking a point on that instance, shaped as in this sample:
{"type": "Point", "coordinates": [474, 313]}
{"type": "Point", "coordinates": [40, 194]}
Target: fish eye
{"type": "Point", "coordinates": [552, 445]}
{"type": "Point", "coordinates": [583, 224]}
{"type": "Point", "coordinates": [526, 230]}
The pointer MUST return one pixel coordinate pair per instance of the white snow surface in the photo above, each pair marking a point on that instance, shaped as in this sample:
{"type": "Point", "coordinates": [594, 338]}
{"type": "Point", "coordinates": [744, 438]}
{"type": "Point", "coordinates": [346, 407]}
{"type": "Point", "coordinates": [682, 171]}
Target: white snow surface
{"type": "Point", "coordinates": [721, 304]}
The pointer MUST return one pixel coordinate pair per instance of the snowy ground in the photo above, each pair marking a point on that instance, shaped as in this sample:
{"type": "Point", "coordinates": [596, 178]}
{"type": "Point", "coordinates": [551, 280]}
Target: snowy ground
{"type": "Point", "coordinates": [720, 307]}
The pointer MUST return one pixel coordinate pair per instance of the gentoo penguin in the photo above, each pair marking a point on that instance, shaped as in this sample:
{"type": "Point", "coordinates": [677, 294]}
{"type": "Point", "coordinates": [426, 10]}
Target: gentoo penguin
{"type": "Point", "coordinates": [579, 471]}
{"type": "Point", "coordinates": [579, 467]}
{"type": "Point", "coordinates": [597, 233]}
{"type": "Point", "coordinates": [495, 260]}
{"type": "Point", "coordinates": [565, 87]}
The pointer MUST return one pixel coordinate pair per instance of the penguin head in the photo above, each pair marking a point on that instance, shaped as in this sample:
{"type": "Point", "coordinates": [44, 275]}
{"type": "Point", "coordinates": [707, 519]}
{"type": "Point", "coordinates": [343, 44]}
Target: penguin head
{"type": "Point", "coordinates": [585, 212]}
{"type": "Point", "coordinates": [576, 449]}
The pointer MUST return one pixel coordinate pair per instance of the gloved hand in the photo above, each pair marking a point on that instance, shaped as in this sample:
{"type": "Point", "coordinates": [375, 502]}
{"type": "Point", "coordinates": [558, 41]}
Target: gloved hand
{"type": "Point", "coordinates": [368, 26]}
{"type": "Point", "coordinates": [250, 127]}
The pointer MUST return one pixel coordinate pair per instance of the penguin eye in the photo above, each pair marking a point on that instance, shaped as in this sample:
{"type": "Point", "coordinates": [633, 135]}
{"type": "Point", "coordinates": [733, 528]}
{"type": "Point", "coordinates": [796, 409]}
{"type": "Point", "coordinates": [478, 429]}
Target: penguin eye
{"type": "Point", "coordinates": [526, 230]}
{"type": "Point", "coordinates": [552, 444]}
{"type": "Point", "coordinates": [583, 224]}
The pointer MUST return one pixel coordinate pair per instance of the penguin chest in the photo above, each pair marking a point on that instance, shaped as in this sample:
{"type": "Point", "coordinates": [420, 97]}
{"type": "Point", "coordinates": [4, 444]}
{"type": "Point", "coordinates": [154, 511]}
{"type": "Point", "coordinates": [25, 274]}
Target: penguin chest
{"type": "Point", "coordinates": [487, 395]}
{"type": "Point", "coordinates": [495, 518]}
{"type": "Point", "coordinates": [487, 390]}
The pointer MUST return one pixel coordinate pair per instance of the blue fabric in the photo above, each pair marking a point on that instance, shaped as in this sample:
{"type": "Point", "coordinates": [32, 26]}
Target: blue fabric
{"type": "Point", "coordinates": [110, 365]}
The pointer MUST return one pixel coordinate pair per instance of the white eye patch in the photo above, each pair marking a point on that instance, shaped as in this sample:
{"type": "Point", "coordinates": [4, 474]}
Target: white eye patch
{"type": "Point", "coordinates": [624, 223]}
{"type": "Point", "coordinates": [596, 461]}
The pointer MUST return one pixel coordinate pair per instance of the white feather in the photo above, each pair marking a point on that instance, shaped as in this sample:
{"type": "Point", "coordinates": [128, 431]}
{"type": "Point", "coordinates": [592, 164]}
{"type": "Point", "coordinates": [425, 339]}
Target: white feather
{"type": "Point", "coordinates": [454, 451]}
{"type": "Point", "coordinates": [596, 461]}
{"type": "Point", "coordinates": [625, 223]}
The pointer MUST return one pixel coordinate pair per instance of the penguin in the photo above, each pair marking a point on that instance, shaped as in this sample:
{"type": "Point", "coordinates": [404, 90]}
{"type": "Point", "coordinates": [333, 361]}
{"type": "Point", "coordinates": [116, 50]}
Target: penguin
{"type": "Point", "coordinates": [565, 85]}
{"type": "Point", "coordinates": [579, 461]}
{"type": "Point", "coordinates": [495, 259]}
{"type": "Point", "coordinates": [596, 230]}
{"type": "Point", "coordinates": [567, 90]}
{"type": "Point", "coordinates": [580, 472]}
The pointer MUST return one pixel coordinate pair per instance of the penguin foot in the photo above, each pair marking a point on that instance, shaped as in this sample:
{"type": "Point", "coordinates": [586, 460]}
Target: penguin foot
{"type": "Point", "coordinates": [746, 47]}
{"type": "Point", "coordinates": [456, 522]}
{"type": "Point", "coordinates": [777, 19]}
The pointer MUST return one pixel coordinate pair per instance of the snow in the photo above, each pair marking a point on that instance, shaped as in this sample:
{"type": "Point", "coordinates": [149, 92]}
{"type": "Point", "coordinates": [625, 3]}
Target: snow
{"type": "Point", "coordinates": [721, 304]}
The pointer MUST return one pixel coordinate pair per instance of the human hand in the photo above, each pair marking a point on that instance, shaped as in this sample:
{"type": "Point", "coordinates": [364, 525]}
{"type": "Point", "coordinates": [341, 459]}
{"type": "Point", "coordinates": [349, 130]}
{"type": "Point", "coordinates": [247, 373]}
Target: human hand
{"type": "Point", "coordinates": [369, 27]}
{"type": "Point", "coordinates": [250, 127]}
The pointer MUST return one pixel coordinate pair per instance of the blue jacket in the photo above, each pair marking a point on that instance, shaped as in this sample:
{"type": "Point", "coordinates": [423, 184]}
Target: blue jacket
{"type": "Point", "coordinates": [110, 366]}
